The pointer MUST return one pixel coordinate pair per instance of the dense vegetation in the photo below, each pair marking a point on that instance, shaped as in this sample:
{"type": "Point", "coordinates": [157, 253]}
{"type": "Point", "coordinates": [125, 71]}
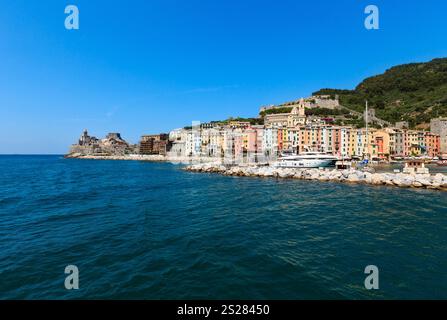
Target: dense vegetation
{"type": "Point", "coordinates": [325, 112]}
{"type": "Point", "coordinates": [413, 92]}
{"type": "Point", "coordinates": [253, 121]}
{"type": "Point", "coordinates": [276, 111]}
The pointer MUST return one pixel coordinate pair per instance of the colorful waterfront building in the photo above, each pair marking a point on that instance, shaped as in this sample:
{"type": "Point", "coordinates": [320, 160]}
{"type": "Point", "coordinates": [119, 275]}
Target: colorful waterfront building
{"type": "Point", "coordinates": [259, 137]}
{"type": "Point", "coordinates": [238, 124]}
{"type": "Point", "coordinates": [154, 144]}
{"type": "Point", "coordinates": [438, 126]}
{"type": "Point", "coordinates": [215, 147]}
{"type": "Point", "coordinates": [345, 141]}
{"type": "Point", "coordinates": [250, 140]}
{"type": "Point", "coordinates": [293, 135]}
{"type": "Point", "coordinates": [432, 144]}
{"type": "Point", "coordinates": [360, 143]}
{"type": "Point", "coordinates": [270, 142]}
{"type": "Point", "coordinates": [241, 140]}
{"type": "Point", "coordinates": [281, 138]}
{"type": "Point", "coordinates": [381, 144]}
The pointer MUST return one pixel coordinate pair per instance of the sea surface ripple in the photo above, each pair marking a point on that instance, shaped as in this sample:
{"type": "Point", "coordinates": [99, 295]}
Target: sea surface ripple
{"type": "Point", "coordinates": [139, 230]}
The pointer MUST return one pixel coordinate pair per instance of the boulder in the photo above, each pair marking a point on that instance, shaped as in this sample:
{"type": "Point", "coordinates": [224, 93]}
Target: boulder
{"type": "Point", "coordinates": [353, 178]}
{"type": "Point", "coordinates": [417, 184]}
{"type": "Point", "coordinates": [423, 181]}
{"type": "Point", "coordinates": [377, 178]}
{"type": "Point", "coordinates": [434, 185]}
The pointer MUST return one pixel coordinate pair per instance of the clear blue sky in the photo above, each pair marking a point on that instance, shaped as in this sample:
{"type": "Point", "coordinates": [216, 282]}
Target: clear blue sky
{"type": "Point", "coordinates": [140, 67]}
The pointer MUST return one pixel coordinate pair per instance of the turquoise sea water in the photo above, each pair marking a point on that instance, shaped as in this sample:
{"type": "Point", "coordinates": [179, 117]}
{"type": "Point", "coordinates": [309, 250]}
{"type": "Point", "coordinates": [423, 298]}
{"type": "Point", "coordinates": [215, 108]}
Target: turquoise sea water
{"type": "Point", "coordinates": [152, 231]}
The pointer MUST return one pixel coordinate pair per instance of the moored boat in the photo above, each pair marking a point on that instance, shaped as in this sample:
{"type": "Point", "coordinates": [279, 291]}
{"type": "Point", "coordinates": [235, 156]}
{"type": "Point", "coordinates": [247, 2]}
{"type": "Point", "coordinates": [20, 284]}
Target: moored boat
{"type": "Point", "coordinates": [442, 160]}
{"type": "Point", "coordinates": [307, 160]}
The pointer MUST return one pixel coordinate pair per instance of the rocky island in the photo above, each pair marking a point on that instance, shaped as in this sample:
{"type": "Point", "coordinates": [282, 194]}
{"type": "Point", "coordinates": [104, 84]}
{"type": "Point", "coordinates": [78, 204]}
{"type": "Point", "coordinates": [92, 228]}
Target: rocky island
{"type": "Point", "coordinates": [114, 147]}
{"type": "Point", "coordinates": [111, 145]}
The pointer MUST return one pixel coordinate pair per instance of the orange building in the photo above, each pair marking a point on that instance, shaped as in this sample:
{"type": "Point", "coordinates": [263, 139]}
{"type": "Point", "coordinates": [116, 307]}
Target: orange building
{"type": "Point", "coordinates": [432, 144]}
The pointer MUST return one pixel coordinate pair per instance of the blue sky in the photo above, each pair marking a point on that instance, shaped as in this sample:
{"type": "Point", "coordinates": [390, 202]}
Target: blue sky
{"type": "Point", "coordinates": [140, 67]}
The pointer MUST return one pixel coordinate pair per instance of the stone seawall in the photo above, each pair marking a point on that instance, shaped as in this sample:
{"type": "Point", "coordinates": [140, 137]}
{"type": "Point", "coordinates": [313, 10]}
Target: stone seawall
{"type": "Point", "coordinates": [138, 157]}
{"type": "Point", "coordinates": [427, 181]}
{"type": "Point", "coordinates": [117, 157]}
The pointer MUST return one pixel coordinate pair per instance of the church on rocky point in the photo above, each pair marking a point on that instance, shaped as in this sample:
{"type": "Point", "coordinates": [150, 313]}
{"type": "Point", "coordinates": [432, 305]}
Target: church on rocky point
{"type": "Point", "coordinates": [112, 144]}
{"type": "Point", "coordinates": [86, 140]}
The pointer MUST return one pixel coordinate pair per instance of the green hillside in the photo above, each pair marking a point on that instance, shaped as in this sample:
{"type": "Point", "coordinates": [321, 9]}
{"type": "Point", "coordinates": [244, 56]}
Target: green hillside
{"type": "Point", "coordinates": [413, 92]}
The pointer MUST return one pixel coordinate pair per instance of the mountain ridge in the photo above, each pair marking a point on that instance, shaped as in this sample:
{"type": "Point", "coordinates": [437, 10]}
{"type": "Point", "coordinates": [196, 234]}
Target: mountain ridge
{"type": "Point", "coordinates": [413, 92]}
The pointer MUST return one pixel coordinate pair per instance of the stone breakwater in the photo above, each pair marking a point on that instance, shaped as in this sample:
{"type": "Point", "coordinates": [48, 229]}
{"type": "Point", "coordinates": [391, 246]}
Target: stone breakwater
{"type": "Point", "coordinates": [427, 181]}
{"type": "Point", "coordinates": [117, 157]}
{"type": "Point", "coordinates": [138, 157]}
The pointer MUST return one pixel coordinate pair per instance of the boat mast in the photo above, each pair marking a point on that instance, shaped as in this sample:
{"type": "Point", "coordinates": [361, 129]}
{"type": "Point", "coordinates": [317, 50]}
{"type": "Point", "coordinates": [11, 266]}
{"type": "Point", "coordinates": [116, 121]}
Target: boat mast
{"type": "Point", "coordinates": [366, 122]}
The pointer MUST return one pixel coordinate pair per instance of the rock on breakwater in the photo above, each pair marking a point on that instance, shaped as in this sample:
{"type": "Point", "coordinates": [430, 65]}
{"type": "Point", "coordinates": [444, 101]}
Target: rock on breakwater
{"type": "Point", "coordinates": [437, 181]}
{"type": "Point", "coordinates": [139, 157]}
{"type": "Point", "coordinates": [116, 157]}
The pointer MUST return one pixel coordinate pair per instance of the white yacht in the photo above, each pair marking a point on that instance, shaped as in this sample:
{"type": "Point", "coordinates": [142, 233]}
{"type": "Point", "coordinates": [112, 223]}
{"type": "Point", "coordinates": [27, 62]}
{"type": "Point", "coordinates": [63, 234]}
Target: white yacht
{"type": "Point", "coordinates": [307, 160]}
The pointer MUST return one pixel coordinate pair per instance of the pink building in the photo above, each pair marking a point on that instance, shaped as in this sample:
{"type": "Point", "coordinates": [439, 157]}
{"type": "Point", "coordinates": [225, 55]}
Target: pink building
{"type": "Point", "coordinates": [238, 144]}
{"type": "Point", "coordinates": [259, 136]}
{"type": "Point", "coordinates": [250, 140]}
